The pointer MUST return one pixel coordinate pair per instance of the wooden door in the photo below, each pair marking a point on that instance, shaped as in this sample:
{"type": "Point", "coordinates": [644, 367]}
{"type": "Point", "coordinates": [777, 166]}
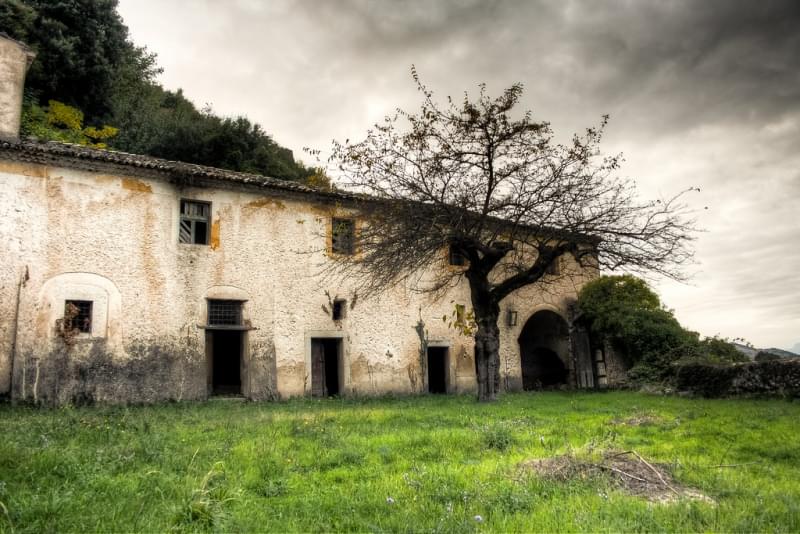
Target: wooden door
{"type": "Point", "coordinates": [318, 388]}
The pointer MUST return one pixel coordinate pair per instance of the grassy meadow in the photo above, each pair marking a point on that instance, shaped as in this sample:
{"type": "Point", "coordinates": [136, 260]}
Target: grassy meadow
{"type": "Point", "coordinates": [433, 463]}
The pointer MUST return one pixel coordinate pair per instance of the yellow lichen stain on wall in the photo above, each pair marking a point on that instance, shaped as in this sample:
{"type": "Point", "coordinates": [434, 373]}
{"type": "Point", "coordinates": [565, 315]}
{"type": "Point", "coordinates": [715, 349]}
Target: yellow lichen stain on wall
{"type": "Point", "coordinates": [105, 179]}
{"type": "Point", "coordinates": [25, 169]}
{"type": "Point", "coordinates": [214, 238]}
{"type": "Point", "coordinates": [54, 190]}
{"type": "Point", "coordinates": [148, 246]}
{"type": "Point", "coordinates": [265, 203]}
{"type": "Point", "coordinates": [132, 184]}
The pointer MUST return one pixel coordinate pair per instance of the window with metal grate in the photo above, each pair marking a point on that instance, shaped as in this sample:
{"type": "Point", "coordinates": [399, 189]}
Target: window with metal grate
{"type": "Point", "coordinates": [456, 258]}
{"type": "Point", "coordinates": [224, 312]}
{"type": "Point", "coordinates": [343, 236]}
{"type": "Point", "coordinates": [78, 316]}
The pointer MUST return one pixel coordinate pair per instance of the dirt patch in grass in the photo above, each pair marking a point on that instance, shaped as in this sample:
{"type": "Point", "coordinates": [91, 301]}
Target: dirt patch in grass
{"type": "Point", "coordinates": [627, 470]}
{"type": "Point", "coordinates": [639, 419]}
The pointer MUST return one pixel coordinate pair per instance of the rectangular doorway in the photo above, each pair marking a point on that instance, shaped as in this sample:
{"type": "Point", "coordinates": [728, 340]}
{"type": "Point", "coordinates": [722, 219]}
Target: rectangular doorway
{"type": "Point", "coordinates": [437, 369]}
{"type": "Point", "coordinates": [226, 362]}
{"type": "Point", "coordinates": [326, 367]}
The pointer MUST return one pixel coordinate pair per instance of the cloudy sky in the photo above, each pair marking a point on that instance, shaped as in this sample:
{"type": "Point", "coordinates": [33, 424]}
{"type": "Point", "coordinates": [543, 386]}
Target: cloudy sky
{"type": "Point", "coordinates": [701, 93]}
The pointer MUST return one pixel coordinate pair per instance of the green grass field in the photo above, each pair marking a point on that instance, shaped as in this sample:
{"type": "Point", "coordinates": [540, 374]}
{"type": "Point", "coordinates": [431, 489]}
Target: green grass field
{"type": "Point", "coordinates": [408, 464]}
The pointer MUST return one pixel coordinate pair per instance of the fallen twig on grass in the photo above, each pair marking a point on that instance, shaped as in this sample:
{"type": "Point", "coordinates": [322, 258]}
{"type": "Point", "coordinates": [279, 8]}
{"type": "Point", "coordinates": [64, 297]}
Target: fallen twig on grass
{"type": "Point", "coordinates": [654, 470]}
{"type": "Point", "coordinates": [617, 454]}
{"type": "Point", "coordinates": [628, 470]}
{"type": "Point", "coordinates": [620, 471]}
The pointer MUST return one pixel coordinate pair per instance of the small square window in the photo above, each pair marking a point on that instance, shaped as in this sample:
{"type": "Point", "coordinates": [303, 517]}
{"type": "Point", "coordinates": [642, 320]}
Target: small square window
{"type": "Point", "coordinates": [456, 258]}
{"type": "Point", "coordinates": [195, 222]}
{"type": "Point", "coordinates": [339, 309]}
{"type": "Point", "coordinates": [225, 312]}
{"type": "Point", "coordinates": [343, 240]}
{"type": "Point", "coordinates": [78, 316]}
{"type": "Point", "coordinates": [511, 318]}
{"type": "Point", "coordinates": [555, 266]}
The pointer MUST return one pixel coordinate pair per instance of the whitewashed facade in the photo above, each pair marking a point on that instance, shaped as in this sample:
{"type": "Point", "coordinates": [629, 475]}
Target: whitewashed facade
{"type": "Point", "coordinates": [85, 226]}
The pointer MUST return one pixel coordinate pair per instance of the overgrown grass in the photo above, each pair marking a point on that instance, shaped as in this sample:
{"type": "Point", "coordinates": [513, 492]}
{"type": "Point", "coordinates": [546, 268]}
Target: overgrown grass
{"type": "Point", "coordinates": [408, 464]}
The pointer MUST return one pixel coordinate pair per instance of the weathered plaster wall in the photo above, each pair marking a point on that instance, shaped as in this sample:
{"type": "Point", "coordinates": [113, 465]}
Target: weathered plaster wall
{"type": "Point", "coordinates": [115, 239]}
{"type": "Point", "coordinates": [14, 61]}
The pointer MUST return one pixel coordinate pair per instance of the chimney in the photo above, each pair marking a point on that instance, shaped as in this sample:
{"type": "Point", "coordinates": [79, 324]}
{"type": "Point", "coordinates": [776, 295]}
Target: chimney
{"type": "Point", "coordinates": [15, 58]}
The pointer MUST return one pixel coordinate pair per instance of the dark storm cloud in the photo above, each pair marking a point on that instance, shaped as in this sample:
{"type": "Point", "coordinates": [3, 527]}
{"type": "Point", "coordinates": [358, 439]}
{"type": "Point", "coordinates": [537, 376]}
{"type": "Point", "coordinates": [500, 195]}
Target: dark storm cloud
{"type": "Point", "coordinates": [696, 61]}
{"type": "Point", "coordinates": [700, 93]}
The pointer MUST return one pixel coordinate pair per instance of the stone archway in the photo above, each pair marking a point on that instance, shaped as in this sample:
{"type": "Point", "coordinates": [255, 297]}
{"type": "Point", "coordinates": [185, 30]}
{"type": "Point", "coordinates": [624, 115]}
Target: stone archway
{"type": "Point", "coordinates": [544, 351]}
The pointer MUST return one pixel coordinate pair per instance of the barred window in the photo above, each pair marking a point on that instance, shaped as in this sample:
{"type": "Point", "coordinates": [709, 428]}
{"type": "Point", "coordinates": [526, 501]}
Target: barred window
{"type": "Point", "coordinates": [78, 316]}
{"type": "Point", "coordinates": [195, 218]}
{"type": "Point", "coordinates": [456, 258]}
{"type": "Point", "coordinates": [343, 236]}
{"type": "Point", "coordinates": [224, 312]}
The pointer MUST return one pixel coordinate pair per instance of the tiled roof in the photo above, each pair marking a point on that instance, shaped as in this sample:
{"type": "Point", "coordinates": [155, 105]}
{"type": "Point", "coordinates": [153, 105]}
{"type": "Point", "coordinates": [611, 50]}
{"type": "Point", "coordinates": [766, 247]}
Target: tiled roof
{"type": "Point", "coordinates": [82, 157]}
{"type": "Point", "coordinates": [79, 156]}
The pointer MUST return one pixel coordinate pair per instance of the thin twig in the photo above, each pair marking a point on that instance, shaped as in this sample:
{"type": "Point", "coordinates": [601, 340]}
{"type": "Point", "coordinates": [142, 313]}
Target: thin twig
{"type": "Point", "coordinates": [654, 470]}
{"type": "Point", "coordinates": [619, 454]}
{"type": "Point", "coordinates": [620, 471]}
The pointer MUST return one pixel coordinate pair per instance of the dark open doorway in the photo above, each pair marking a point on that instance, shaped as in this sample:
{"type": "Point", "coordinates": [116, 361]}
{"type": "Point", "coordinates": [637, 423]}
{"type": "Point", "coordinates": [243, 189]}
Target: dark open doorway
{"type": "Point", "coordinates": [544, 349]}
{"type": "Point", "coordinates": [437, 369]}
{"type": "Point", "coordinates": [226, 362]}
{"type": "Point", "coordinates": [541, 368]}
{"type": "Point", "coordinates": [326, 367]}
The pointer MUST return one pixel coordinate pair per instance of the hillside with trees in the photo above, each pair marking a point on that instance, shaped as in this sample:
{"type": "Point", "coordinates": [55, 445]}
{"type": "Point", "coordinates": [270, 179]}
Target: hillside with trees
{"type": "Point", "coordinates": [87, 67]}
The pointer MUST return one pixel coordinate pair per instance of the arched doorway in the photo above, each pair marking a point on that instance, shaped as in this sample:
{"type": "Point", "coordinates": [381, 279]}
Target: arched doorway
{"type": "Point", "coordinates": [544, 349]}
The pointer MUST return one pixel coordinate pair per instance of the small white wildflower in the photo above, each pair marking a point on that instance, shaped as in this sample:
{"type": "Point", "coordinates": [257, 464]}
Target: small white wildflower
{"type": "Point", "coordinates": [478, 518]}
{"type": "Point", "coordinates": [541, 440]}
{"type": "Point", "coordinates": [389, 500]}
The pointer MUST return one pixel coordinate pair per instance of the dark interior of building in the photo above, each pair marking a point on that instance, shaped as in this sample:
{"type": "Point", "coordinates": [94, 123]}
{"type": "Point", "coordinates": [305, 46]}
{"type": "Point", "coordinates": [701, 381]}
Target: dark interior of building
{"type": "Point", "coordinates": [543, 345]}
{"type": "Point", "coordinates": [226, 357]}
{"type": "Point", "coordinates": [437, 369]}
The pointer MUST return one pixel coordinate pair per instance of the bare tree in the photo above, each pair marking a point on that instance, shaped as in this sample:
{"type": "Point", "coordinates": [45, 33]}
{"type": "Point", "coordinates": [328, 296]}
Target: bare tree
{"type": "Point", "coordinates": [499, 191]}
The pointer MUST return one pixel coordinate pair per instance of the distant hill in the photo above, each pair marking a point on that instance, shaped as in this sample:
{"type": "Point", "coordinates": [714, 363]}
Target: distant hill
{"type": "Point", "coordinates": [782, 353]}
{"type": "Point", "coordinates": [752, 352]}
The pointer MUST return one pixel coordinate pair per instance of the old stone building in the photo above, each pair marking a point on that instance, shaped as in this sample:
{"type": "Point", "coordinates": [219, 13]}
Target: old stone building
{"type": "Point", "coordinates": [133, 279]}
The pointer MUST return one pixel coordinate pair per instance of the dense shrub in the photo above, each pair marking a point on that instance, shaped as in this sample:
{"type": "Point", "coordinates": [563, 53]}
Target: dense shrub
{"type": "Point", "coordinates": [776, 377]}
{"type": "Point", "coordinates": [625, 312]}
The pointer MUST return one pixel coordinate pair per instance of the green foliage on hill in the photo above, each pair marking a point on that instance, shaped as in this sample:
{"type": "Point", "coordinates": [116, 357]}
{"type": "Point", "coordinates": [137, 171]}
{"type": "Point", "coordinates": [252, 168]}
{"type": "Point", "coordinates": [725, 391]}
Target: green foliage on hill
{"type": "Point", "coordinates": [624, 311]}
{"type": "Point", "coordinates": [60, 122]}
{"type": "Point", "coordinates": [86, 60]}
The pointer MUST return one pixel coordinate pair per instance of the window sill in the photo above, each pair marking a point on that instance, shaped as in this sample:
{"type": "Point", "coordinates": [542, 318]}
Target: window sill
{"type": "Point", "coordinates": [84, 338]}
{"type": "Point", "coordinates": [239, 327]}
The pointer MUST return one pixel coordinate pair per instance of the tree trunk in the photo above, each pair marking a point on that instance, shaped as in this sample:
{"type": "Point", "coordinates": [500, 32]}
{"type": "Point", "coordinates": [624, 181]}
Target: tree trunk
{"type": "Point", "coordinates": [487, 353]}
